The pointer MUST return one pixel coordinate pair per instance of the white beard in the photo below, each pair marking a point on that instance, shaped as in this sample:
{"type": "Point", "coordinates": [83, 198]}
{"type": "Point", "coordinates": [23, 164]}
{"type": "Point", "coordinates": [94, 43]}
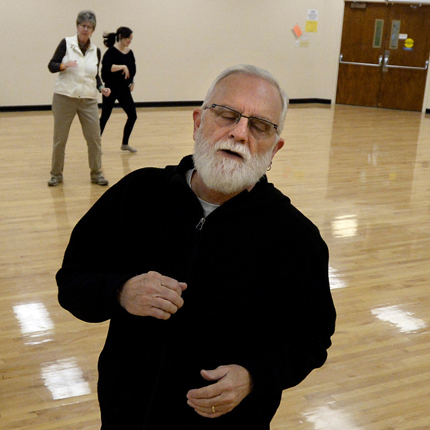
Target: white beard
{"type": "Point", "coordinates": [227, 175]}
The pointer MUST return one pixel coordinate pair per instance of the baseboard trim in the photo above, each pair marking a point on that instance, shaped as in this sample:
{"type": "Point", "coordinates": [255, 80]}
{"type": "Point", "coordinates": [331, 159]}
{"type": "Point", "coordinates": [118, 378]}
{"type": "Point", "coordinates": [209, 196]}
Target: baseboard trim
{"type": "Point", "coordinates": [29, 108]}
{"type": "Point", "coordinates": [169, 104]}
{"type": "Point", "coordinates": [310, 101]}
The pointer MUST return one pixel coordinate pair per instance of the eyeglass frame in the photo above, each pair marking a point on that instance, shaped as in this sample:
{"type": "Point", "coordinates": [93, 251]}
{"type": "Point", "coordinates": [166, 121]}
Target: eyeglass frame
{"type": "Point", "coordinates": [86, 27]}
{"type": "Point", "coordinates": [213, 105]}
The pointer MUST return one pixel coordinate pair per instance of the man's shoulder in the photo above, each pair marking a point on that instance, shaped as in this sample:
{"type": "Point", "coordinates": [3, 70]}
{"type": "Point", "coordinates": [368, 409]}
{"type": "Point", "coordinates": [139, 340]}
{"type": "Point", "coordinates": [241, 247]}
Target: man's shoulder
{"type": "Point", "coordinates": [144, 173]}
{"type": "Point", "coordinates": [287, 217]}
{"type": "Point", "coordinates": [150, 175]}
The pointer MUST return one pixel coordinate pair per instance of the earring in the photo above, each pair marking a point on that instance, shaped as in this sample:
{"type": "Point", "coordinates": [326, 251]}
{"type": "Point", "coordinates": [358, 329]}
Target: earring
{"type": "Point", "coordinates": [270, 167]}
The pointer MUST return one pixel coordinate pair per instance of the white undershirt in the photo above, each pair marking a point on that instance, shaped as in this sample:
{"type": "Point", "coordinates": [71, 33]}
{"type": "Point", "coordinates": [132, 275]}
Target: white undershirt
{"type": "Point", "coordinates": [207, 207]}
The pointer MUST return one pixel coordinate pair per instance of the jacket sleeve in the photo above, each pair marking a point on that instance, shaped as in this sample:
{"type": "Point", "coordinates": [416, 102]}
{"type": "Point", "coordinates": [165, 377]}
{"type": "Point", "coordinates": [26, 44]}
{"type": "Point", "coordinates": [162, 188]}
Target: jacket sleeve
{"type": "Point", "coordinates": [90, 276]}
{"type": "Point", "coordinates": [286, 359]}
{"type": "Point", "coordinates": [55, 62]}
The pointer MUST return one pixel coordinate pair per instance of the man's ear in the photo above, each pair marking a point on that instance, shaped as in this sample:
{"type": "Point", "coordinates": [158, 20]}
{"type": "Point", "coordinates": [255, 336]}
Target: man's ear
{"type": "Point", "coordinates": [197, 118]}
{"type": "Point", "coordinates": [278, 146]}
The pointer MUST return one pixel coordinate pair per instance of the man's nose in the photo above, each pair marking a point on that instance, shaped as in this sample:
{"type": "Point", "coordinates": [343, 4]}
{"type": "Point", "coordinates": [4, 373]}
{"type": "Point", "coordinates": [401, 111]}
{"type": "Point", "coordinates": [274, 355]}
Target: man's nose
{"type": "Point", "coordinates": [240, 130]}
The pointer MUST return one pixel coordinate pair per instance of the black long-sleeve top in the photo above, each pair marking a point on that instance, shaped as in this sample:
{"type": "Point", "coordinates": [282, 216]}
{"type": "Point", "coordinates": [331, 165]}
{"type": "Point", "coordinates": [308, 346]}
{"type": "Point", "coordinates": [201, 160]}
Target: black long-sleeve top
{"type": "Point", "coordinates": [116, 80]}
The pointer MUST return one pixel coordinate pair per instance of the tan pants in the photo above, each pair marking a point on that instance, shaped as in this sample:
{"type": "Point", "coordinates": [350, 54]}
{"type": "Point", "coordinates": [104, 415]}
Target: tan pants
{"type": "Point", "coordinates": [64, 109]}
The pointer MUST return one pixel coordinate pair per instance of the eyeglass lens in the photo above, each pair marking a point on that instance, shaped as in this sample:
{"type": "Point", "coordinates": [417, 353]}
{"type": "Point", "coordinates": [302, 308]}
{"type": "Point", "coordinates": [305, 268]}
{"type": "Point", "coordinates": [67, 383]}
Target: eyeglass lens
{"type": "Point", "coordinates": [225, 117]}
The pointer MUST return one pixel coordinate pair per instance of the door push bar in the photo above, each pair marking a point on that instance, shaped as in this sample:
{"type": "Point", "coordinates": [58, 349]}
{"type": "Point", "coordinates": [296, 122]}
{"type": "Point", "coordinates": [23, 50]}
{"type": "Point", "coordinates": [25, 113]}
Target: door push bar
{"type": "Point", "coordinates": [361, 64]}
{"type": "Point", "coordinates": [385, 64]}
{"type": "Point", "coordinates": [389, 66]}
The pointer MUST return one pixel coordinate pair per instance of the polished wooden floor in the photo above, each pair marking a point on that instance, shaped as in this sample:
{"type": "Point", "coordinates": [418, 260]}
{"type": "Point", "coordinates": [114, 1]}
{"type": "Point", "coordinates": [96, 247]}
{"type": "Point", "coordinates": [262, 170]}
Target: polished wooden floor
{"type": "Point", "coordinates": [362, 175]}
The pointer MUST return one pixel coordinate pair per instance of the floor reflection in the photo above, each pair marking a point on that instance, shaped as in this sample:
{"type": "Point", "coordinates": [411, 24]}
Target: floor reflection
{"type": "Point", "coordinates": [64, 379]}
{"type": "Point", "coordinates": [377, 158]}
{"type": "Point", "coordinates": [403, 320]}
{"type": "Point", "coordinates": [35, 322]}
{"type": "Point", "coordinates": [324, 418]}
{"type": "Point", "coordinates": [335, 280]}
{"type": "Point", "coordinates": [345, 226]}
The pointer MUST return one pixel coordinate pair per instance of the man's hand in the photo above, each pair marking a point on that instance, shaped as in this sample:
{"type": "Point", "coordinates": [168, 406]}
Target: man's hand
{"type": "Point", "coordinates": [152, 294]}
{"type": "Point", "coordinates": [233, 384]}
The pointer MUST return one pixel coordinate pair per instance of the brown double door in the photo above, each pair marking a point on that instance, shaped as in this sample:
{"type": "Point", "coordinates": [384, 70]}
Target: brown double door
{"type": "Point", "coordinates": [384, 55]}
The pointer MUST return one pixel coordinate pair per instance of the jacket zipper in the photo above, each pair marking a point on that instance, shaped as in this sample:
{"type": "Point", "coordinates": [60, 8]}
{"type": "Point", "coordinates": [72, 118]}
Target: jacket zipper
{"type": "Point", "coordinates": [147, 415]}
{"type": "Point", "coordinates": [199, 226]}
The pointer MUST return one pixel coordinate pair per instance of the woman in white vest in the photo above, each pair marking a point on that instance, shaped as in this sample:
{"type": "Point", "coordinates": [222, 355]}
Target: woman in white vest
{"type": "Point", "coordinates": [77, 60]}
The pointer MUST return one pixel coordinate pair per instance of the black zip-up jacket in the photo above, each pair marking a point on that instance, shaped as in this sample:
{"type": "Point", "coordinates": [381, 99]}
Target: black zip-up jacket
{"type": "Point", "coordinates": [258, 296]}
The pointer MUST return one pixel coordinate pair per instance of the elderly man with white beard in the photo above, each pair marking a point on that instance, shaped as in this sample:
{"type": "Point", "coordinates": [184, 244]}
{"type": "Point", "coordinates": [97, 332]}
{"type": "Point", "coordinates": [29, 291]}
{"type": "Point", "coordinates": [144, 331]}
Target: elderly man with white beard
{"type": "Point", "coordinates": [219, 298]}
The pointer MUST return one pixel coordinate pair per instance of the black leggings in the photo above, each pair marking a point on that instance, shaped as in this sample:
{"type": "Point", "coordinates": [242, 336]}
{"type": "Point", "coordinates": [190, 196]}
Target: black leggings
{"type": "Point", "coordinates": [127, 103]}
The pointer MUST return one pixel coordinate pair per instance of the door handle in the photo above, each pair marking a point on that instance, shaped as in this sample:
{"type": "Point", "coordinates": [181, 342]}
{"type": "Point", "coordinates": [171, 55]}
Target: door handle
{"type": "Point", "coordinates": [386, 59]}
{"type": "Point", "coordinates": [361, 64]}
{"type": "Point", "coordinates": [390, 66]}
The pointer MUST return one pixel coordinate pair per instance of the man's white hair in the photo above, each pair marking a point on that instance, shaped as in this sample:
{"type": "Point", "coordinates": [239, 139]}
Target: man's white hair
{"type": "Point", "coordinates": [251, 70]}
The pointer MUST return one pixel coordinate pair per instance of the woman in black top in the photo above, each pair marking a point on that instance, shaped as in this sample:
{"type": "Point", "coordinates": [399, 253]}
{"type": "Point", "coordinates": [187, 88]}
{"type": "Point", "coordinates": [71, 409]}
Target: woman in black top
{"type": "Point", "coordinates": [118, 70]}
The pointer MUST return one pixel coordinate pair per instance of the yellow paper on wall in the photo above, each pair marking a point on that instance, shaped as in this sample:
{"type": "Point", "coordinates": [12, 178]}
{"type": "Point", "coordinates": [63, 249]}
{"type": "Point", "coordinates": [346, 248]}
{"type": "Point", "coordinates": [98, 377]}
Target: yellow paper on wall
{"type": "Point", "coordinates": [311, 26]}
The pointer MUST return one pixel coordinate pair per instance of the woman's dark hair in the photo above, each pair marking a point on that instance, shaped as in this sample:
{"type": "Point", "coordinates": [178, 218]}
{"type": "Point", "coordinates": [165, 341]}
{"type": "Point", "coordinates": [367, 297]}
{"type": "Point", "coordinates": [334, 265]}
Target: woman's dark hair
{"type": "Point", "coordinates": [121, 33]}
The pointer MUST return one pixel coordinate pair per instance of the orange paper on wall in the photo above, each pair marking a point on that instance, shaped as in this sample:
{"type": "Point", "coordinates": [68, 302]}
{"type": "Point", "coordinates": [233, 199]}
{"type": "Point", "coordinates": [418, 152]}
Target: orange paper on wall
{"type": "Point", "coordinates": [297, 31]}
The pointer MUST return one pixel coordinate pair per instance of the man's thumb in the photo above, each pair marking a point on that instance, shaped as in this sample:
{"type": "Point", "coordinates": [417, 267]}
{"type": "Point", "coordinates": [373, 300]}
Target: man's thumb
{"type": "Point", "coordinates": [213, 375]}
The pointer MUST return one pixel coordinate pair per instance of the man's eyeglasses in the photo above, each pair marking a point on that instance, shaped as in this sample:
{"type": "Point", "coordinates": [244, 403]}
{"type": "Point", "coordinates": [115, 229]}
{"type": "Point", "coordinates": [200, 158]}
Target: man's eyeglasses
{"type": "Point", "coordinates": [227, 117]}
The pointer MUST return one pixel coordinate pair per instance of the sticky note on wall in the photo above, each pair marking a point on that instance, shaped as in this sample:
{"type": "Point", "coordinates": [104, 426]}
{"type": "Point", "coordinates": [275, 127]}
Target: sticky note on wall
{"type": "Point", "coordinates": [297, 31]}
{"type": "Point", "coordinates": [311, 26]}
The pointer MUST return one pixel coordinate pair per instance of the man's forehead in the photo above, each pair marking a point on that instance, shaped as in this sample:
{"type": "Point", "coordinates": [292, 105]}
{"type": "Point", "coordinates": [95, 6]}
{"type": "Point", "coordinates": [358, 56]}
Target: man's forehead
{"type": "Point", "coordinates": [245, 91]}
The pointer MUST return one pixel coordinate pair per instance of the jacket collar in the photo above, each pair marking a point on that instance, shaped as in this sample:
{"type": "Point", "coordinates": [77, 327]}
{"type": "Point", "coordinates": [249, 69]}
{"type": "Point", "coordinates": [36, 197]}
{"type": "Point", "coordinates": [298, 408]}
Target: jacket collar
{"type": "Point", "coordinates": [75, 44]}
{"type": "Point", "coordinates": [262, 194]}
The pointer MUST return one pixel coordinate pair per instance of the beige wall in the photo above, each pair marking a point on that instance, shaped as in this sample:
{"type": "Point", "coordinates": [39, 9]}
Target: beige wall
{"type": "Point", "coordinates": [180, 45]}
